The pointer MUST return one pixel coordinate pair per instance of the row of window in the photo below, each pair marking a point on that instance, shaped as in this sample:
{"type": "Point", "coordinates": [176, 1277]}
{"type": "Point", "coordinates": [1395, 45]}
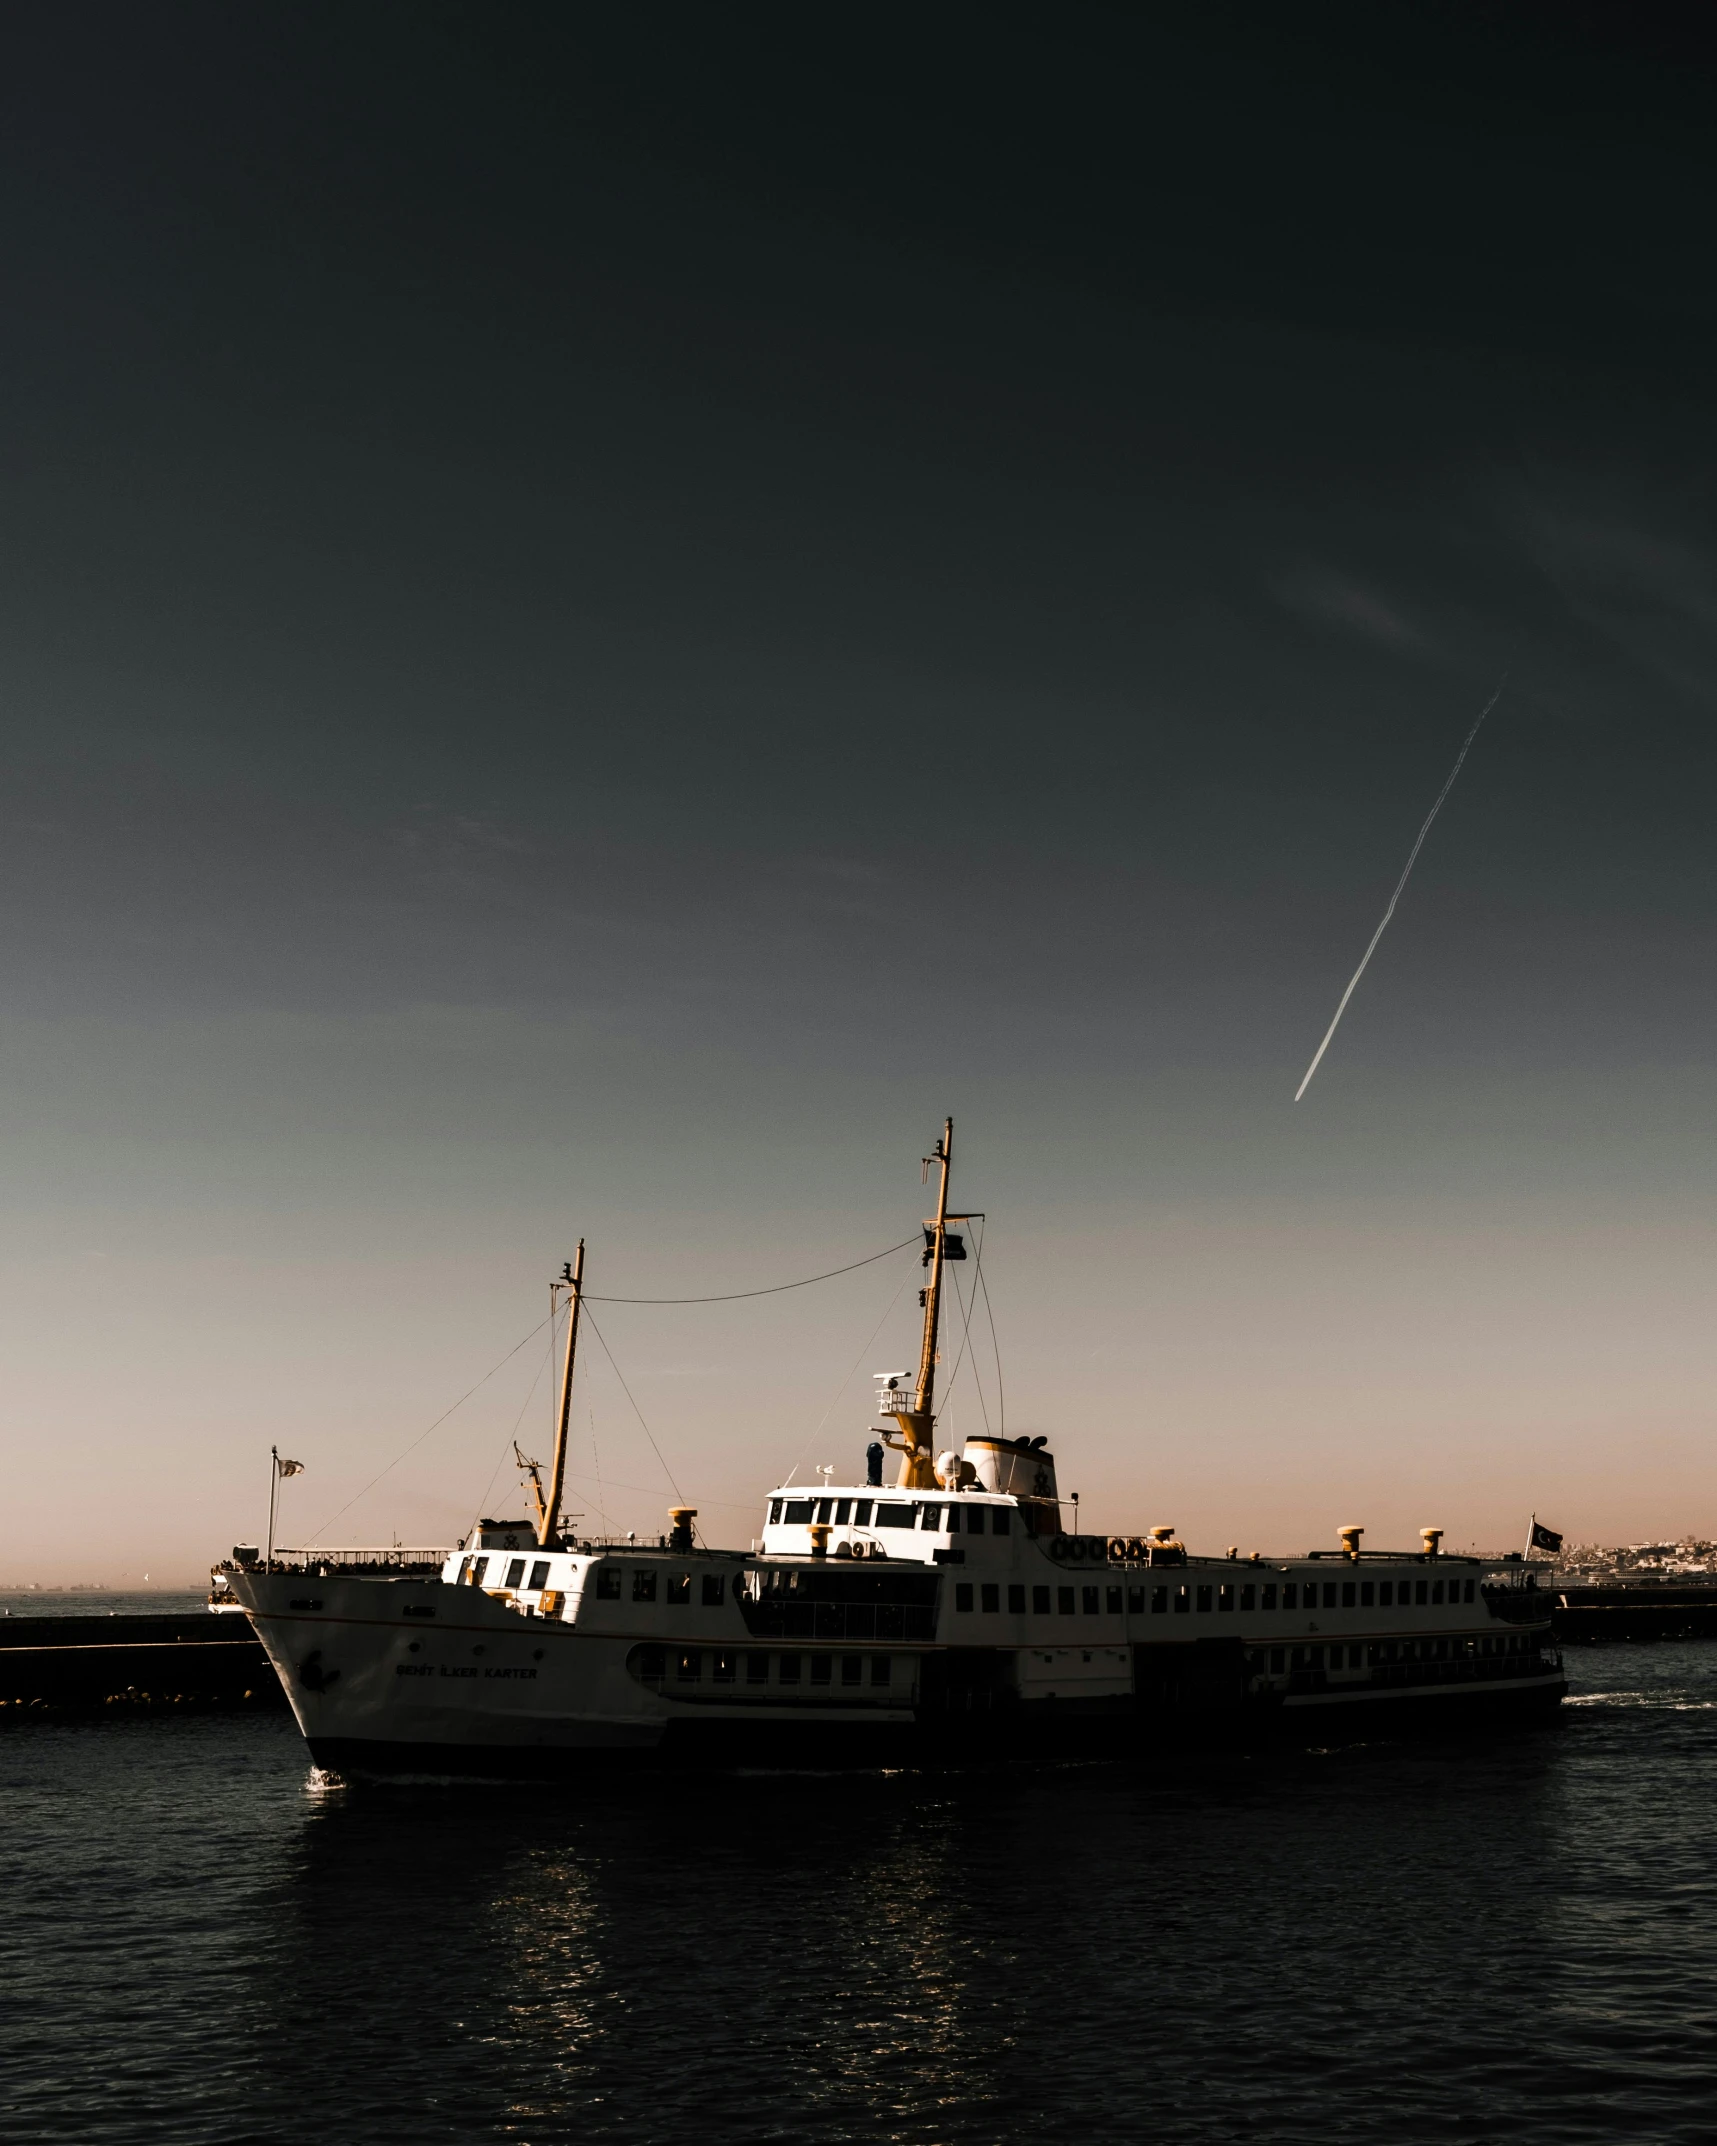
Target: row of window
{"type": "Point", "coordinates": [474, 1571]}
{"type": "Point", "coordinates": [848, 1672]}
{"type": "Point", "coordinates": [885, 1513]}
{"type": "Point", "coordinates": [1381, 1652]}
{"type": "Point", "coordinates": [1250, 1595]}
{"type": "Point", "coordinates": [690, 1665]}
{"type": "Point", "coordinates": [610, 1582]}
{"type": "Point", "coordinates": [1164, 1601]}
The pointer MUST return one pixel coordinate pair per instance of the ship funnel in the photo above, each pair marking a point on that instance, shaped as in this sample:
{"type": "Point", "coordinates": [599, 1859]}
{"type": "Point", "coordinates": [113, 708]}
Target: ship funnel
{"type": "Point", "coordinates": [1014, 1467]}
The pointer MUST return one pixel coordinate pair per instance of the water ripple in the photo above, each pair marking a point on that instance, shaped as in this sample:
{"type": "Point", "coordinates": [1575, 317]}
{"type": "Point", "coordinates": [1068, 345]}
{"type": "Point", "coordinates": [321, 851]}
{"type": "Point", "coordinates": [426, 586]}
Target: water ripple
{"type": "Point", "coordinates": [1386, 1942]}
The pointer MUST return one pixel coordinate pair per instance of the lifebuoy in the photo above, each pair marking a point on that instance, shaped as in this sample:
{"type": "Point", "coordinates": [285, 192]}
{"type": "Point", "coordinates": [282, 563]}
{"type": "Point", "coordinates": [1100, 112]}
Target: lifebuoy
{"type": "Point", "coordinates": [1058, 1545]}
{"type": "Point", "coordinates": [1119, 1548]}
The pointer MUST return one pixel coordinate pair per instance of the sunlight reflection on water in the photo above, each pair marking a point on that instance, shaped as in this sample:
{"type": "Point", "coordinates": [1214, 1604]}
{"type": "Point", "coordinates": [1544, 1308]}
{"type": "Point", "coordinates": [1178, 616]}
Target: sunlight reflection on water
{"type": "Point", "coordinates": [1378, 1942]}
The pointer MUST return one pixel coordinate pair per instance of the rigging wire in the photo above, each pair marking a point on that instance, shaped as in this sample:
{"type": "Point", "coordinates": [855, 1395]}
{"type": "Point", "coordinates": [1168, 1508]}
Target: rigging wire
{"type": "Point", "coordinates": [422, 1435]}
{"type": "Point", "coordinates": [499, 1465]}
{"type": "Point", "coordinates": [636, 1410]}
{"type": "Point", "coordinates": [547, 1364]}
{"type": "Point", "coordinates": [779, 1288]}
{"type": "Point", "coordinates": [596, 1457]}
{"type": "Point", "coordinates": [730, 1297]}
{"type": "Point", "coordinates": [1001, 1391]}
{"type": "Point", "coordinates": [651, 1490]}
{"type": "Point", "coordinates": [842, 1387]}
{"type": "Point", "coordinates": [966, 1316]}
{"type": "Point", "coordinates": [966, 1337]}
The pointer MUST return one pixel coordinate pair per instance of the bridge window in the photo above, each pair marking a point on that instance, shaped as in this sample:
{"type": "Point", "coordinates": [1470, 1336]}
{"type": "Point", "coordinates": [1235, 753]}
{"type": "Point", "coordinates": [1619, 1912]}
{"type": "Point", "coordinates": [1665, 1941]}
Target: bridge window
{"type": "Point", "coordinates": [1040, 1601]}
{"type": "Point", "coordinates": [1269, 1602]}
{"type": "Point", "coordinates": [644, 1584]}
{"type": "Point", "coordinates": [843, 1511]}
{"type": "Point", "coordinates": [1469, 1593]}
{"type": "Point", "coordinates": [895, 1516]}
{"type": "Point", "coordinates": [1367, 1594]}
{"type": "Point", "coordinates": [1114, 1603]}
{"type": "Point", "coordinates": [722, 1667]}
{"type": "Point", "coordinates": [953, 1520]}
{"type": "Point", "coordinates": [1290, 1596]}
{"type": "Point", "coordinates": [974, 1520]}
{"type": "Point", "coordinates": [1203, 1599]}
{"type": "Point", "coordinates": [879, 1668]}
{"type": "Point", "coordinates": [825, 1511]}
{"type": "Point", "coordinates": [775, 1512]}
{"type": "Point", "coordinates": [1159, 1601]}
{"type": "Point", "coordinates": [1349, 1594]}
{"type": "Point", "coordinates": [1329, 1594]}
{"type": "Point", "coordinates": [1182, 1600]}
{"type": "Point", "coordinates": [690, 1665]}
{"type": "Point", "coordinates": [797, 1512]}
{"type": "Point", "coordinates": [992, 1597]}
{"type": "Point", "coordinates": [822, 1668]}
{"type": "Point", "coordinates": [852, 1668]}
{"type": "Point", "coordinates": [608, 1583]}
{"type": "Point", "coordinates": [515, 1573]}
{"type": "Point", "coordinates": [1248, 1598]}
{"type": "Point", "coordinates": [713, 1585]}
{"type": "Point", "coordinates": [1225, 1598]}
{"type": "Point", "coordinates": [1000, 1519]}
{"type": "Point", "coordinates": [1064, 1602]}
{"type": "Point", "coordinates": [963, 1595]}
{"type": "Point", "coordinates": [1386, 1593]}
{"type": "Point", "coordinates": [1089, 1599]}
{"type": "Point", "coordinates": [1276, 1660]}
{"type": "Point", "coordinates": [1016, 1599]}
{"type": "Point", "coordinates": [1436, 1590]}
{"type": "Point", "coordinates": [1419, 1590]}
{"type": "Point", "coordinates": [790, 1666]}
{"type": "Point", "coordinates": [757, 1669]}
{"type": "Point", "coordinates": [679, 1587]}
{"type": "Point", "coordinates": [861, 1513]}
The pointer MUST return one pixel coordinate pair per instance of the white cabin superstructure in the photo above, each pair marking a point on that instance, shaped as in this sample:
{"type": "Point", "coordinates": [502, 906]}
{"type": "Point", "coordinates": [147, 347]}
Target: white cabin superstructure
{"type": "Point", "coordinates": [949, 1614]}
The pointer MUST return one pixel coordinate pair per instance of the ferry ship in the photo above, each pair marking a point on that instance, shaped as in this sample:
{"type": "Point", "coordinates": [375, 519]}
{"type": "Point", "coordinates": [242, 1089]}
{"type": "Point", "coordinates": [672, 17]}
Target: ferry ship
{"type": "Point", "coordinates": [946, 1615]}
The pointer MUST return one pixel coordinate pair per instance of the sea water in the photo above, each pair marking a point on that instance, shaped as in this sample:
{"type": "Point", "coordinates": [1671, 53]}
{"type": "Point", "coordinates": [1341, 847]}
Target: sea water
{"type": "Point", "coordinates": [1390, 1940]}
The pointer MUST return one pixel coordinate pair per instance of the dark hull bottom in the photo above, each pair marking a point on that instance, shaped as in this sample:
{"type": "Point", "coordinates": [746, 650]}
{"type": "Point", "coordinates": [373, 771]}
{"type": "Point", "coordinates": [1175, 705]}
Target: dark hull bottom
{"type": "Point", "coordinates": [1051, 1735]}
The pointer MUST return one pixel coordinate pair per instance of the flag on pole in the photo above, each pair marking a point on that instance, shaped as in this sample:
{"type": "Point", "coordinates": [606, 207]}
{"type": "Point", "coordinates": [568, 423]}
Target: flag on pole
{"type": "Point", "coordinates": [1543, 1538]}
{"type": "Point", "coordinates": [296, 1467]}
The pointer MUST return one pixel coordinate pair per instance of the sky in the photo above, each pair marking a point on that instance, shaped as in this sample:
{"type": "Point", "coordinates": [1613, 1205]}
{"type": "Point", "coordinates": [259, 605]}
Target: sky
{"type": "Point", "coordinates": [610, 614]}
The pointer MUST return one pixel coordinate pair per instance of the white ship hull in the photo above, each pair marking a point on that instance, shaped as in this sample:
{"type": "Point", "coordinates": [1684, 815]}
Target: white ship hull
{"type": "Point", "coordinates": [759, 1660]}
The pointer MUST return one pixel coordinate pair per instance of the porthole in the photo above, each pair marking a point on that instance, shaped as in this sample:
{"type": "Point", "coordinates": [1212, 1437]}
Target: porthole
{"type": "Point", "coordinates": [415, 1646]}
{"type": "Point", "coordinates": [478, 1650]}
{"type": "Point", "coordinates": [538, 1655]}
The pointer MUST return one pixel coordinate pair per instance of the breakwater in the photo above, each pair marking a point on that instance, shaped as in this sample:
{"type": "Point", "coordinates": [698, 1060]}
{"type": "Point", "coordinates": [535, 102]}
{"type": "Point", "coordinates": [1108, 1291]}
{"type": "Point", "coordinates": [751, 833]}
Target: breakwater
{"type": "Point", "coordinates": [188, 1658]}
{"type": "Point", "coordinates": [1594, 1615]}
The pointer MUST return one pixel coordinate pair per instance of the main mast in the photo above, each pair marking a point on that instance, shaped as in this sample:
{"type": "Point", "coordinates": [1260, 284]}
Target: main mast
{"type": "Point", "coordinates": [548, 1511]}
{"type": "Point", "coordinates": [918, 1423]}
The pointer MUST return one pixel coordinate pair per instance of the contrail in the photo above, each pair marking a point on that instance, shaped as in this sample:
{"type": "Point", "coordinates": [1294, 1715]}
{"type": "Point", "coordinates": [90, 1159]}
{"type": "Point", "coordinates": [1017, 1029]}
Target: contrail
{"type": "Point", "coordinates": [1399, 884]}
